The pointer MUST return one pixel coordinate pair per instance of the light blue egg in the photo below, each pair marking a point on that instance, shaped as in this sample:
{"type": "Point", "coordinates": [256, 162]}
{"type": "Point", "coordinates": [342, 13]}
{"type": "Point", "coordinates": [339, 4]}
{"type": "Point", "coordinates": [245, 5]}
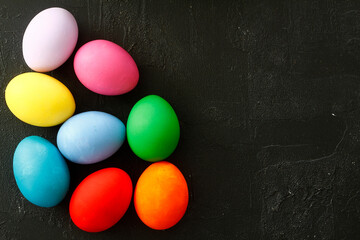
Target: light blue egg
{"type": "Point", "coordinates": [40, 171]}
{"type": "Point", "coordinates": [90, 137]}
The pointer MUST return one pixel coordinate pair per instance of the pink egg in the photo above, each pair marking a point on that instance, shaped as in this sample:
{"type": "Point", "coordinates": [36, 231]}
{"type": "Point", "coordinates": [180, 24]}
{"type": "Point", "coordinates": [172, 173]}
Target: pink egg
{"type": "Point", "coordinates": [105, 68]}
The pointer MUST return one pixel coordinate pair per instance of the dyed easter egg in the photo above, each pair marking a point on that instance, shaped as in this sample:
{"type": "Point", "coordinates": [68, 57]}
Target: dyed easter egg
{"type": "Point", "coordinates": [90, 137]}
{"type": "Point", "coordinates": [39, 99]}
{"type": "Point", "coordinates": [161, 196]}
{"type": "Point", "coordinates": [49, 39]}
{"type": "Point", "coordinates": [40, 172]}
{"type": "Point", "coordinates": [153, 129]}
{"type": "Point", "coordinates": [105, 68]}
{"type": "Point", "coordinates": [101, 200]}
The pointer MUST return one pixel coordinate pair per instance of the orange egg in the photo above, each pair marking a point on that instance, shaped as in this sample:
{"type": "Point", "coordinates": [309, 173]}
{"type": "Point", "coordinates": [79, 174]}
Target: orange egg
{"type": "Point", "coordinates": [161, 196]}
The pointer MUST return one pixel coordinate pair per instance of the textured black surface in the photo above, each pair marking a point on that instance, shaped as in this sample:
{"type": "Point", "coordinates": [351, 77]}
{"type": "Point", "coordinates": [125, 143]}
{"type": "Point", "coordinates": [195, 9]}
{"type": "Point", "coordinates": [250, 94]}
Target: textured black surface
{"type": "Point", "coordinates": [268, 96]}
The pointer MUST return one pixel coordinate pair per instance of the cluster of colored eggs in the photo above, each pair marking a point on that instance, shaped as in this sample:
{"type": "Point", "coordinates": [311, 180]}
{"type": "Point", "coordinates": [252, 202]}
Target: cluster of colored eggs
{"type": "Point", "coordinates": [152, 131]}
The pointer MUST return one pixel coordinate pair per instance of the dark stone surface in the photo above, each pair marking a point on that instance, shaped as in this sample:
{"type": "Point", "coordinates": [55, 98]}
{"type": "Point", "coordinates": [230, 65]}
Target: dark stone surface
{"type": "Point", "coordinates": [268, 97]}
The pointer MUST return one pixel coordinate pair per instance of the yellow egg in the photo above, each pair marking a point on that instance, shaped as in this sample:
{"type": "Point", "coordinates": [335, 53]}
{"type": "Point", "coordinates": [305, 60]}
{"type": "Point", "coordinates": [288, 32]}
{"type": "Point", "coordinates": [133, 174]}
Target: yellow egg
{"type": "Point", "coordinates": [39, 99]}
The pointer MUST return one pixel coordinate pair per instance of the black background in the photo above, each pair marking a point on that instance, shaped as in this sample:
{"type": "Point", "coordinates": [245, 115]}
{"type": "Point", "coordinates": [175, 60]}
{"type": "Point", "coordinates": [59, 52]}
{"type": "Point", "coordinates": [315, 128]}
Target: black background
{"type": "Point", "coordinates": [268, 98]}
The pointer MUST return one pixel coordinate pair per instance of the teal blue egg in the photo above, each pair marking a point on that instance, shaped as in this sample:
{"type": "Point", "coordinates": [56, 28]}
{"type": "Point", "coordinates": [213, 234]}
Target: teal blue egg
{"type": "Point", "coordinates": [40, 171]}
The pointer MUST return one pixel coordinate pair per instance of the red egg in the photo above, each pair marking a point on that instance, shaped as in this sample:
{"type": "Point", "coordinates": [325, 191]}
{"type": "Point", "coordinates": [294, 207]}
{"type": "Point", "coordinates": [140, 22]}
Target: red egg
{"type": "Point", "coordinates": [101, 200]}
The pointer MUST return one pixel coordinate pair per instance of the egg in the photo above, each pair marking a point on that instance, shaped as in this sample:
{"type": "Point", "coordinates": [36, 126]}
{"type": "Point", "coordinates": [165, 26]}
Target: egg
{"type": "Point", "coordinates": [101, 199]}
{"type": "Point", "coordinates": [40, 172]}
{"type": "Point", "coordinates": [90, 137]}
{"type": "Point", "coordinates": [49, 39]}
{"type": "Point", "coordinates": [161, 196]}
{"type": "Point", "coordinates": [39, 99]}
{"type": "Point", "coordinates": [153, 129]}
{"type": "Point", "coordinates": [105, 68]}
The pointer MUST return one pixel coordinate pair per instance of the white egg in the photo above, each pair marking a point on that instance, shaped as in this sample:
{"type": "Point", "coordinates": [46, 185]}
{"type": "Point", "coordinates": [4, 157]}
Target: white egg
{"type": "Point", "coordinates": [49, 39]}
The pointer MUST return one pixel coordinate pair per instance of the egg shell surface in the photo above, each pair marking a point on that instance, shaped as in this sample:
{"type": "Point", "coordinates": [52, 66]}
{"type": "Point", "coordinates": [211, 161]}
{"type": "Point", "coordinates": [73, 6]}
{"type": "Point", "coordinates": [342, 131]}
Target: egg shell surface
{"type": "Point", "coordinates": [153, 129]}
{"type": "Point", "coordinates": [40, 171]}
{"type": "Point", "coordinates": [49, 39]}
{"type": "Point", "coordinates": [161, 196]}
{"type": "Point", "coordinates": [39, 99]}
{"type": "Point", "coordinates": [105, 68]}
{"type": "Point", "coordinates": [90, 137]}
{"type": "Point", "coordinates": [101, 199]}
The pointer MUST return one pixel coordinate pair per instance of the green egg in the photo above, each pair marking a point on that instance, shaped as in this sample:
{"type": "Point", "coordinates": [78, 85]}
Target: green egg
{"type": "Point", "coordinates": [153, 129]}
